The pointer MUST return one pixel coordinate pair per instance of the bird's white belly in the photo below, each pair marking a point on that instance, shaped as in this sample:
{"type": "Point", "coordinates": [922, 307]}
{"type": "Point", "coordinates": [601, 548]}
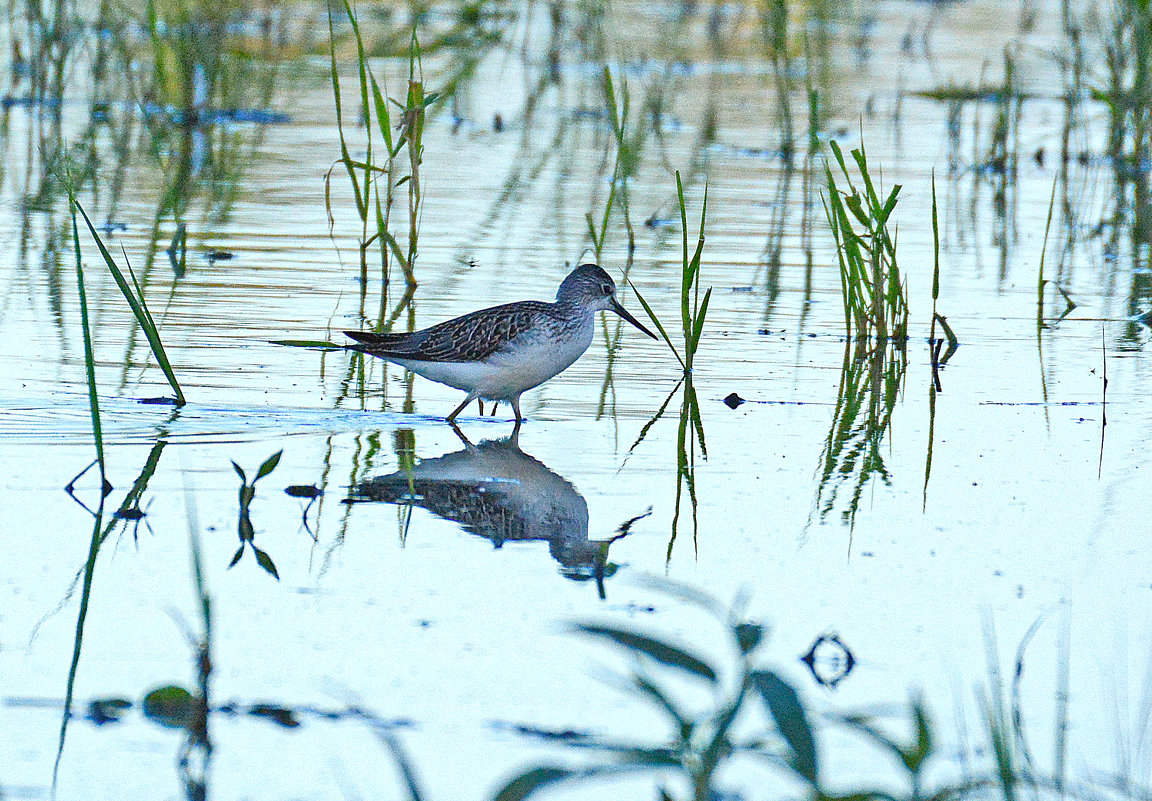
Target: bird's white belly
{"type": "Point", "coordinates": [507, 373]}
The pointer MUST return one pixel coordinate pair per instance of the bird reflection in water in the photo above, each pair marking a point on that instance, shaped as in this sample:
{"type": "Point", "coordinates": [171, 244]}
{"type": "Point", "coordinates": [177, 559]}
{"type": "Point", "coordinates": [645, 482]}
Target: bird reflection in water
{"type": "Point", "coordinates": [498, 492]}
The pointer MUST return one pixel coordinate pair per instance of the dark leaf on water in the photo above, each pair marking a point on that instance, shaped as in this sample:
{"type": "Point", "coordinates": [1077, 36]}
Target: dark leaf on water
{"type": "Point", "coordinates": [748, 636]}
{"type": "Point", "coordinates": [306, 343]}
{"type": "Point", "coordinates": [108, 710]}
{"type": "Point", "coordinates": [266, 562]}
{"type": "Point", "coordinates": [659, 650]}
{"type": "Point", "coordinates": [733, 400]}
{"type": "Point", "coordinates": [240, 472]}
{"type": "Point", "coordinates": [268, 466]}
{"type": "Point", "coordinates": [171, 706]}
{"type": "Point", "coordinates": [784, 705]}
{"type": "Point", "coordinates": [236, 558]}
{"type": "Point", "coordinates": [276, 714]}
{"type": "Point", "coordinates": [303, 491]}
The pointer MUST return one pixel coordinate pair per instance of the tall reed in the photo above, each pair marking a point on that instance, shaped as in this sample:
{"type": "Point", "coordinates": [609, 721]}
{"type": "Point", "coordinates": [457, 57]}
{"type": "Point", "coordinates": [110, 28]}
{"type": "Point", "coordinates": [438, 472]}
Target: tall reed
{"type": "Point", "coordinates": [375, 183]}
{"type": "Point", "coordinates": [693, 311]}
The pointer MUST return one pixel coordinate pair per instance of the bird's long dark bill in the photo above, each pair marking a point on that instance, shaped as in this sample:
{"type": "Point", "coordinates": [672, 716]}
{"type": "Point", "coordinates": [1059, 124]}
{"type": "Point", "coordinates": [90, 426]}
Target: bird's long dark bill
{"type": "Point", "coordinates": [616, 307]}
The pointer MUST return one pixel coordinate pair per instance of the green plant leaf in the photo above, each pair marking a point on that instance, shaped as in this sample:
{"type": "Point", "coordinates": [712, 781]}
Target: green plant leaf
{"type": "Point", "coordinates": [748, 636]}
{"type": "Point", "coordinates": [784, 705]}
{"type": "Point", "coordinates": [653, 691]}
{"type": "Point", "coordinates": [265, 561]}
{"type": "Point", "coordinates": [916, 757]}
{"type": "Point", "coordinates": [527, 783]}
{"type": "Point", "coordinates": [239, 471]}
{"type": "Point", "coordinates": [269, 465]}
{"type": "Point", "coordinates": [139, 309]}
{"type": "Point", "coordinates": [236, 557]}
{"type": "Point", "coordinates": [89, 358]}
{"type": "Point", "coordinates": [170, 706]}
{"type": "Point", "coordinates": [383, 120]}
{"type": "Point", "coordinates": [661, 651]}
{"type": "Point", "coordinates": [698, 326]}
{"type": "Point", "coordinates": [659, 326]}
{"type": "Point", "coordinates": [306, 343]}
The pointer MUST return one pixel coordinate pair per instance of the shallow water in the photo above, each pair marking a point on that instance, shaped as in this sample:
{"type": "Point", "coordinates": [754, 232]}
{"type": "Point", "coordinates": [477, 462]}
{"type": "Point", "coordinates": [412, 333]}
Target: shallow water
{"type": "Point", "coordinates": [1032, 509]}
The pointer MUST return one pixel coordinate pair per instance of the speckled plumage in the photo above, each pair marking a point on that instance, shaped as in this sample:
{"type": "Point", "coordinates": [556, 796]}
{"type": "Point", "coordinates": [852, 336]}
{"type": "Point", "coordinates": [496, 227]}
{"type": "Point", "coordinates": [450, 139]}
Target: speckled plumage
{"type": "Point", "coordinates": [500, 352]}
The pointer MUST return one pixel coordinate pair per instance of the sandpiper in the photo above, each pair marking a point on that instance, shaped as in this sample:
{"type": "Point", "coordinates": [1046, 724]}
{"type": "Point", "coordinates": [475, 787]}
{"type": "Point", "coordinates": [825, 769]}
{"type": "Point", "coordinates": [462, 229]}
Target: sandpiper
{"type": "Point", "coordinates": [499, 353]}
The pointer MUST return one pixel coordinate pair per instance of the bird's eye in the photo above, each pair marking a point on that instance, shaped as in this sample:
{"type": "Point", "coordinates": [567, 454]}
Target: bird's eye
{"type": "Point", "coordinates": [606, 289]}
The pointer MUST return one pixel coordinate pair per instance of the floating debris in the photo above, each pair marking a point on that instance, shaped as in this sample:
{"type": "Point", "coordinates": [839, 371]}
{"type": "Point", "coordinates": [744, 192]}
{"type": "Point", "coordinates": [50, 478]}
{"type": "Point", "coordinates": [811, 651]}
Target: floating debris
{"type": "Point", "coordinates": [733, 400]}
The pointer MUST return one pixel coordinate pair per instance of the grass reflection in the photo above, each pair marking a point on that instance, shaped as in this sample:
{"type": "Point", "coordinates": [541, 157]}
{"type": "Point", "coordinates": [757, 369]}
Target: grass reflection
{"type": "Point", "coordinates": [871, 380]}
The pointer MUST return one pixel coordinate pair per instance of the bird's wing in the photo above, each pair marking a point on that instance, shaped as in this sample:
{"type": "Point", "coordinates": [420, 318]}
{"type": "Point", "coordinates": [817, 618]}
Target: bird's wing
{"type": "Point", "coordinates": [471, 337]}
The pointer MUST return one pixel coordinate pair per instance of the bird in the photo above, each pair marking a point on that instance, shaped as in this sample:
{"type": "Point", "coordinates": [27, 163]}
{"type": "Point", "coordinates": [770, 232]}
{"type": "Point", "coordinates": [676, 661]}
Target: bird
{"type": "Point", "coordinates": [501, 352]}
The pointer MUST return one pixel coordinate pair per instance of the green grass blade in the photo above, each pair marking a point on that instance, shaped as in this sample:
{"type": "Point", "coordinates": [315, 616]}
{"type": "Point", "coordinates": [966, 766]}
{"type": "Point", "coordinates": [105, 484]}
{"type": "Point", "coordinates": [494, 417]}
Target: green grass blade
{"type": "Point", "coordinates": [1043, 249]}
{"type": "Point", "coordinates": [89, 359]}
{"type": "Point", "coordinates": [138, 309]}
{"type": "Point", "coordinates": [306, 343]}
{"type": "Point", "coordinates": [610, 101]}
{"type": "Point", "coordinates": [890, 204]}
{"type": "Point", "coordinates": [345, 157]}
{"type": "Point", "coordinates": [361, 63]}
{"type": "Point", "coordinates": [383, 120]}
{"type": "Point", "coordinates": [659, 326]}
{"type": "Point", "coordinates": [592, 233]}
{"type": "Point", "coordinates": [698, 328]}
{"type": "Point", "coordinates": [935, 247]}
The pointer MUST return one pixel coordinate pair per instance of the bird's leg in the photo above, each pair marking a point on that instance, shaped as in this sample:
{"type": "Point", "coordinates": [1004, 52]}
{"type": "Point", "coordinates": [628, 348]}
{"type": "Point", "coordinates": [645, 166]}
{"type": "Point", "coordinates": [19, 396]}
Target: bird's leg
{"type": "Point", "coordinates": [516, 408]}
{"type": "Point", "coordinates": [481, 402]}
{"type": "Point", "coordinates": [452, 417]}
{"type": "Point", "coordinates": [495, 405]}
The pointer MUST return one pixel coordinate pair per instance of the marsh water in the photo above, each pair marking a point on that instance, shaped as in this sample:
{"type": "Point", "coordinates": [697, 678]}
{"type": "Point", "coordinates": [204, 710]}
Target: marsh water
{"type": "Point", "coordinates": [935, 528]}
